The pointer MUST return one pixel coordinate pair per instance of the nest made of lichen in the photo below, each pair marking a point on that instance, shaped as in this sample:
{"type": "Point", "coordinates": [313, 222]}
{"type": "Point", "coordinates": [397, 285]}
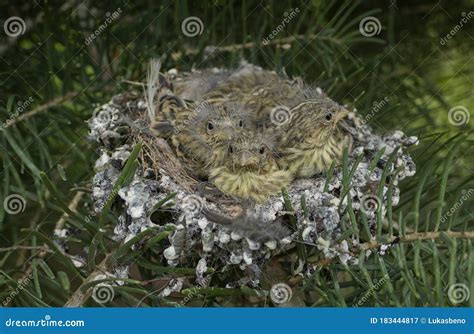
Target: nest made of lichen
{"type": "Point", "coordinates": [314, 209]}
{"type": "Point", "coordinates": [156, 157]}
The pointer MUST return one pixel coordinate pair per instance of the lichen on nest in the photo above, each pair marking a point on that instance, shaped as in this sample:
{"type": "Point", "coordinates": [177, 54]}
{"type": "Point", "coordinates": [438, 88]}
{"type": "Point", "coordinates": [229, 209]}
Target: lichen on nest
{"type": "Point", "coordinates": [253, 234]}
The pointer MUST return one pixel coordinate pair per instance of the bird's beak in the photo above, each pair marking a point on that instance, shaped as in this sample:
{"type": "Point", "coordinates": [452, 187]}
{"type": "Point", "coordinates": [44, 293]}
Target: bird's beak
{"type": "Point", "coordinates": [221, 138]}
{"type": "Point", "coordinates": [246, 159]}
{"type": "Point", "coordinates": [224, 135]}
{"type": "Point", "coordinates": [342, 114]}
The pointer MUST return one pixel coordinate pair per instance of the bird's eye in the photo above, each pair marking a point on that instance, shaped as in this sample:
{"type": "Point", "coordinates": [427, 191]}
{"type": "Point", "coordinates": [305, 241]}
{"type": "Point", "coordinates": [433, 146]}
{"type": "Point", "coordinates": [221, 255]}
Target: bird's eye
{"type": "Point", "coordinates": [210, 126]}
{"type": "Point", "coordinates": [328, 116]}
{"type": "Point", "coordinates": [241, 124]}
{"type": "Point", "coordinates": [262, 150]}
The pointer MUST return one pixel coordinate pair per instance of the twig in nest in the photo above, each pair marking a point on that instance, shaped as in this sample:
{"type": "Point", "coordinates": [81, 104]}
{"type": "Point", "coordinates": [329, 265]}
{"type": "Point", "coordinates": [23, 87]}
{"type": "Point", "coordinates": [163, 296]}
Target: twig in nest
{"type": "Point", "coordinates": [284, 43]}
{"type": "Point", "coordinates": [405, 238]}
{"type": "Point", "coordinates": [135, 83]}
{"type": "Point", "coordinates": [418, 236]}
{"type": "Point", "coordinates": [79, 297]}
{"type": "Point", "coordinates": [14, 248]}
{"type": "Point", "coordinates": [163, 158]}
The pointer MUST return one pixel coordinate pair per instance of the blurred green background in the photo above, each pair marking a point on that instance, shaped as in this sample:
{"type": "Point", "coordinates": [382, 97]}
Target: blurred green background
{"type": "Point", "coordinates": [54, 74]}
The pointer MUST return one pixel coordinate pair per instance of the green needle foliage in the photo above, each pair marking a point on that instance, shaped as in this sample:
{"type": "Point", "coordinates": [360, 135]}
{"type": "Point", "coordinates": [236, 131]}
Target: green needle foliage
{"type": "Point", "coordinates": [75, 56]}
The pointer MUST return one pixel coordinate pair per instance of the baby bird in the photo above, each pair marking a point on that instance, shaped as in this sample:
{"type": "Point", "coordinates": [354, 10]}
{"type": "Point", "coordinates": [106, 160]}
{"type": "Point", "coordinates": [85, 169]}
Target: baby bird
{"type": "Point", "coordinates": [263, 91]}
{"type": "Point", "coordinates": [249, 170]}
{"type": "Point", "coordinates": [312, 138]}
{"type": "Point", "coordinates": [199, 133]}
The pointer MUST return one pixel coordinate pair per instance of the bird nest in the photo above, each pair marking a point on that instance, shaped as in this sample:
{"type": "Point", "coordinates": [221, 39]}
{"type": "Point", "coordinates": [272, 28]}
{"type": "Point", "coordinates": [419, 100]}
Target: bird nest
{"type": "Point", "coordinates": [214, 231]}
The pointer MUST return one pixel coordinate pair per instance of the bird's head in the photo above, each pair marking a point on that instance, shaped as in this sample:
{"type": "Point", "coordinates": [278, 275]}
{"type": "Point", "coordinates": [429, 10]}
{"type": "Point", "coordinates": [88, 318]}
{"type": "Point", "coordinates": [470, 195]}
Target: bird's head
{"type": "Point", "coordinates": [250, 151]}
{"type": "Point", "coordinates": [218, 123]}
{"type": "Point", "coordinates": [320, 117]}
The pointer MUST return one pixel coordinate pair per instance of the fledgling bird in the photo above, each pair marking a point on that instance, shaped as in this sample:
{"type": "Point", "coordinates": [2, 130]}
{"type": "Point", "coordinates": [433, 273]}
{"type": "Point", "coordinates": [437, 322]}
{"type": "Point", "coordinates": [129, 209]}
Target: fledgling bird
{"type": "Point", "coordinates": [199, 132]}
{"type": "Point", "coordinates": [313, 138]}
{"type": "Point", "coordinates": [206, 83]}
{"type": "Point", "coordinates": [250, 171]}
{"type": "Point", "coordinates": [260, 99]}
{"type": "Point", "coordinates": [194, 85]}
{"type": "Point", "coordinates": [261, 91]}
